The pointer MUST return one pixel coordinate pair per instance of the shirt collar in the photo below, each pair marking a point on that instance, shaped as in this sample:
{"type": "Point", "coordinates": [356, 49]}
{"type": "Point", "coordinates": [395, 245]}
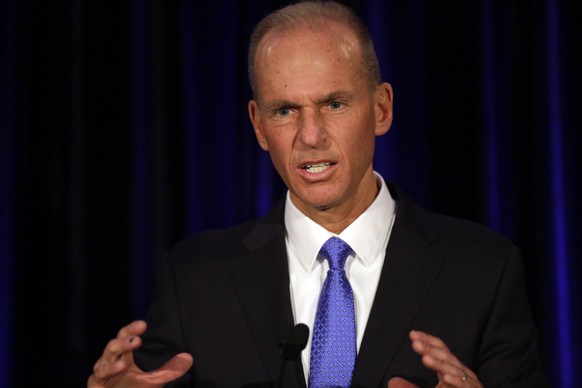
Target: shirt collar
{"type": "Point", "coordinates": [365, 234]}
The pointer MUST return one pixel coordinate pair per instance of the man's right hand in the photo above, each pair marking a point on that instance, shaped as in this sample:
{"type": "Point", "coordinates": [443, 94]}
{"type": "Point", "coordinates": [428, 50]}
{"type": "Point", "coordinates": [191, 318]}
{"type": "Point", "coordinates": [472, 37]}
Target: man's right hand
{"type": "Point", "coordinates": [116, 367]}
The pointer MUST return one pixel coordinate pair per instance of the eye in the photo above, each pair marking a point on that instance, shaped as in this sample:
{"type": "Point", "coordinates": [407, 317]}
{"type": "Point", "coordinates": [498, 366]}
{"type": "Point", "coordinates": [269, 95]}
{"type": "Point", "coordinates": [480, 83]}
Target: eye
{"type": "Point", "coordinates": [335, 105]}
{"type": "Point", "coordinates": [283, 112]}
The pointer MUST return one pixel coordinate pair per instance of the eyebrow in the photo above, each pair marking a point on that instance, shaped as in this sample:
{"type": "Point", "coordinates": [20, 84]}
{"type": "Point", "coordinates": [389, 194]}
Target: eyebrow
{"type": "Point", "coordinates": [333, 96]}
{"type": "Point", "coordinates": [278, 104]}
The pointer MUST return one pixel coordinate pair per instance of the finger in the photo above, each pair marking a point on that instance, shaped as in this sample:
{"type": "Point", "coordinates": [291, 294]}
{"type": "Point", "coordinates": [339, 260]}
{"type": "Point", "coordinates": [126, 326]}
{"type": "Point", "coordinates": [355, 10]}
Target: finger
{"type": "Point", "coordinates": [464, 380]}
{"type": "Point", "coordinates": [134, 328]}
{"type": "Point", "coordinates": [119, 347]}
{"type": "Point", "coordinates": [426, 344]}
{"type": "Point", "coordinates": [116, 357]}
{"type": "Point", "coordinates": [416, 335]}
{"type": "Point", "coordinates": [452, 374]}
{"type": "Point", "coordinates": [94, 382]}
{"type": "Point", "coordinates": [439, 353]}
{"type": "Point", "coordinates": [446, 367]}
{"type": "Point", "coordinates": [175, 368]}
{"type": "Point", "coordinates": [437, 356]}
{"type": "Point", "coordinates": [126, 341]}
{"type": "Point", "coordinates": [103, 369]}
{"type": "Point", "coordinates": [440, 360]}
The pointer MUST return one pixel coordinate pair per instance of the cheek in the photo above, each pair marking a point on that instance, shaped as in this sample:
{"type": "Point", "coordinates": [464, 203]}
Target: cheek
{"type": "Point", "coordinates": [359, 137]}
{"type": "Point", "coordinates": [280, 151]}
{"type": "Point", "coordinates": [359, 149]}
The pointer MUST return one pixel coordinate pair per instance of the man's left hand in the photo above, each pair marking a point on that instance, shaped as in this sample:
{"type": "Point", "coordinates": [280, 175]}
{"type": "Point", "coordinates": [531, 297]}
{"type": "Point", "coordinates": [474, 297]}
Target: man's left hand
{"type": "Point", "coordinates": [437, 356]}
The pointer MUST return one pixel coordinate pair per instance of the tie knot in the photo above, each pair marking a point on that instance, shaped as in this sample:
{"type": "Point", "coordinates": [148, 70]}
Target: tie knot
{"type": "Point", "coordinates": [336, 251]}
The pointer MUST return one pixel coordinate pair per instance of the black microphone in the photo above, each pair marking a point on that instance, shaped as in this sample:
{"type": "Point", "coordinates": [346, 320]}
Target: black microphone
{"type": "Point", "coordinates": [291, 347]}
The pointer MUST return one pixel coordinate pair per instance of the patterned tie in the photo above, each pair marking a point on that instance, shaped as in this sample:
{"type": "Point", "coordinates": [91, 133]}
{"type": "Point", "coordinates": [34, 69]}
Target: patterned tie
{"type": "Point", "coordinates": [333, 349]}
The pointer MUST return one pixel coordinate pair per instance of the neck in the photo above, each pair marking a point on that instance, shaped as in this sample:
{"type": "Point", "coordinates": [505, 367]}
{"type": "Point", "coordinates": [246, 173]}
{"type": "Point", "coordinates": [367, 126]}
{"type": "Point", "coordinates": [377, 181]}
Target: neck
{"type": "Point", "coordinates": [337, 218]}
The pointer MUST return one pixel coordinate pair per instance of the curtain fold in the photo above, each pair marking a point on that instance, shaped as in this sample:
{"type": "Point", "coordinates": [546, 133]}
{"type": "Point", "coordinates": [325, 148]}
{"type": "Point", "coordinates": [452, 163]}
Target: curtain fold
{"type": "Point", "coordinates": [124, 128]}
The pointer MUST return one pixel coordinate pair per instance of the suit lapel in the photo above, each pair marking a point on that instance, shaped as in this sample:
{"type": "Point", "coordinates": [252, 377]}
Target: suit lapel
{"type": "Point", "coordinates": [261, 278]}
{"type": "Point", "coordinates": [409, 270]}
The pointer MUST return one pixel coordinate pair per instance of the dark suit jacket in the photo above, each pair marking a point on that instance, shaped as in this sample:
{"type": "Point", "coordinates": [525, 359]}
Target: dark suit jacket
{"type": "Point", "coordinates": [223, 296]}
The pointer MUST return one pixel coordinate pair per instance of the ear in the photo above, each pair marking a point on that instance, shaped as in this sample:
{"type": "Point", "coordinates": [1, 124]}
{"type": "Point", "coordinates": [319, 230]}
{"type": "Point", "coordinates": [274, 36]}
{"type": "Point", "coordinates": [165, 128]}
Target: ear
{"type": "Point", "coordinates": [383, 108]}
{"type": "Point", "coordinates": [255, 115]}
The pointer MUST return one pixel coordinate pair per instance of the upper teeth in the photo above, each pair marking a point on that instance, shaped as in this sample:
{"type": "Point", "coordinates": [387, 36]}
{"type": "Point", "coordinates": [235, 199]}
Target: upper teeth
{"type": "Point", "coordinates": [319, 167]}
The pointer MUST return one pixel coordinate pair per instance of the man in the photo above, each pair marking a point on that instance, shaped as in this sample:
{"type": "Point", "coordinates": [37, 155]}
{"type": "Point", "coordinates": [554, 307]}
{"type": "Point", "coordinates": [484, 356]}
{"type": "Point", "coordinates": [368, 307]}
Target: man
{"type": "Point", "coordinates": [224, 296]}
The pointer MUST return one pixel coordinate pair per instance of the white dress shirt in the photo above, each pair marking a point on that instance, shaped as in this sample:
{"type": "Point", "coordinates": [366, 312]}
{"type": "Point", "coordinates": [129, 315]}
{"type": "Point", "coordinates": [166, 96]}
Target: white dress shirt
{"type": "Point", "coordinates": [367, 235]}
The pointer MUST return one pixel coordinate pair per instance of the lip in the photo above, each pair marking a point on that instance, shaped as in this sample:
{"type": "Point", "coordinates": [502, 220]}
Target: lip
{"type": "Point", "coordinates": [320, 169]}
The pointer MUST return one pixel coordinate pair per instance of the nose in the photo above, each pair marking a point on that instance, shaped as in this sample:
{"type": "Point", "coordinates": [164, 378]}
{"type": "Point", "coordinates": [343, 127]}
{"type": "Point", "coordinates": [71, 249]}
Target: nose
{"type": "Point", "coordinates": [311, 129]}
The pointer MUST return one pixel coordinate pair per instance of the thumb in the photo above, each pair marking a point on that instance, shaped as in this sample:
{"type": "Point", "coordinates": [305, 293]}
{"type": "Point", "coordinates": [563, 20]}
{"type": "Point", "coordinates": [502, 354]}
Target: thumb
{"type": "Point", "coordinates": [399, 382]}
{"type": "Point", "coordinates": [172, 370]}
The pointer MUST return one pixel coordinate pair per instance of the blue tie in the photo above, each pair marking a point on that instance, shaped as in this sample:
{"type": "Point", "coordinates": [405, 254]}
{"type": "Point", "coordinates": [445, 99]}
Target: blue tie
{"type": "Point", "coordinates": [333, 348]}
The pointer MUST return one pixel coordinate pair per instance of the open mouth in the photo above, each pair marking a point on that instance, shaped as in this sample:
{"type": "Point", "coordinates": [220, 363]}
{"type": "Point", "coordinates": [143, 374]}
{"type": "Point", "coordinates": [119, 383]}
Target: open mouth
{"type": "Point", "coordinates": [317, 167]}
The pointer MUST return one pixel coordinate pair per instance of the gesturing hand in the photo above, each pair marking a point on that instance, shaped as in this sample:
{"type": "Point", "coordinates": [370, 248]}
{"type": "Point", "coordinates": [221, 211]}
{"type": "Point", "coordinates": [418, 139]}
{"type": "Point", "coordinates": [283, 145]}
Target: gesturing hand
{"type": "Point", "coordinates": [116, 367]}
{"type": "Point", "coordinates": [437, 356]}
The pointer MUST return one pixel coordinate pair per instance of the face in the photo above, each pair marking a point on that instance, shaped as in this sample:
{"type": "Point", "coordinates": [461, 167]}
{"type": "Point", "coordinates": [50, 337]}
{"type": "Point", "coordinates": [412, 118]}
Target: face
{"type": "Point", "coordinates": [317, 116]}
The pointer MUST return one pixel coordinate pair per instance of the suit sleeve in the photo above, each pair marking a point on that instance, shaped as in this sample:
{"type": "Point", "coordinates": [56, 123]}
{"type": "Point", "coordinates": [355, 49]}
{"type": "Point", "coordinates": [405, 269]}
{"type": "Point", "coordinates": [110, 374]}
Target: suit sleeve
{"type": "Point", "coordinates": [508, 351]}
{"type": "Point", "coordinates": [164, 337]}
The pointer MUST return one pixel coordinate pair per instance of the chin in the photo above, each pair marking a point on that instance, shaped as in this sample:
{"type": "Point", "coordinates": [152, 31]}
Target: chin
{"type": "Point", "coordinates": [318, 196]}
{"type": "Point", "coordinates": [320, 202]}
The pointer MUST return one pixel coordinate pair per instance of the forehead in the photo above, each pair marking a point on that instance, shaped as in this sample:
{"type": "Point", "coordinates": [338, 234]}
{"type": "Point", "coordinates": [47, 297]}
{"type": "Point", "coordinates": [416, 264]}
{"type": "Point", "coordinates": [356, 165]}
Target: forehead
{"type": "Point", "coordinates": [331, 37]}
{"type": "Point", "coordinates": [304, 55]}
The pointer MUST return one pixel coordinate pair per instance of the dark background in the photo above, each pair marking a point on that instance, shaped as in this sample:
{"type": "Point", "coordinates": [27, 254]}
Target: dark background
{"type": "Point", "coordinates": [124, 128]}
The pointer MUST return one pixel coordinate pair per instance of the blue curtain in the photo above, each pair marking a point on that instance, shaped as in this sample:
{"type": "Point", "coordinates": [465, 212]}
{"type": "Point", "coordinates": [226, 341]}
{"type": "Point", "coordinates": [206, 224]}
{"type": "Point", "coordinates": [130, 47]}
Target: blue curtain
{"type": "Point", "coordinates": [124, 128]}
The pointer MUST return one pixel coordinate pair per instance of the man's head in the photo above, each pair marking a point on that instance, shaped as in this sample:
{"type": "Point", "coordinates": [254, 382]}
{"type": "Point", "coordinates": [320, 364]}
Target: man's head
{"type": "Point", "coordinates": [315, 15]}
{"type": "Point", "coordinates": [317, 110]}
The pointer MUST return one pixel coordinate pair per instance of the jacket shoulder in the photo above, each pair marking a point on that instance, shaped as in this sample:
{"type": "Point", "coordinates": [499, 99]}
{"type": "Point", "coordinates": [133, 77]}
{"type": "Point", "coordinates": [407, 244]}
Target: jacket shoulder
{"type": "Point", "coordinates": [211, 243]}
{"type": "Point", "coordinates": [230, 242]}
